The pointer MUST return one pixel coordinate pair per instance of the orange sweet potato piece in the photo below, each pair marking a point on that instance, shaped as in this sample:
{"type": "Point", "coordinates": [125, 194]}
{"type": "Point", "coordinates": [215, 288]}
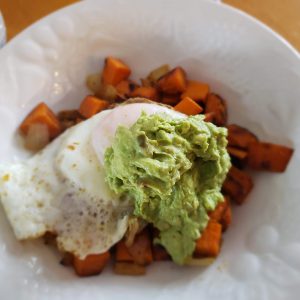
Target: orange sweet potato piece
{"type": "Point", "coordinates": [125, 88]}
{"type": "Point", "coordinates": [196, 90]}
{"type": "Point", "coordinates": [122, 253]}
{"type": "Point", "coordinates": [170, 99]}
{"type": "Point", "coordinates": [238, 153]}
{"type": "Point", "coordinates": [209, 244]}
{"type": "Point", "coordinates": [238, 156]}
{"type": "Point", "coordinates": [269, 157]}
{"type": "Point", "coordinates": [217, 105]}
{"type": "Point", "coordinates": [222, 214]}
{"type": "Point", "coordinates": [159, 253]}
{"type": "Point", "coordinates": [219, 211]}
{"type": "Point", "coordinates": [240, 137]}
{"type": "Point", "coordinates": [91, 265]}
{"type": "Point", "coordinates": [226, 218]}
{"type": "Point", "coordinates": [141, 250]}
{"type": "Point", "coordinates": [188, 106]}
{"type": "Point", "coordinates": [114, 71]}
{"type": "Point", "coordinates": [92, 105]}
{"type": "Point", "coordinates": [42, 114]}
{"type": "Point", "coordinates": [173, 82]}
{"type": "Point", "coordinates": [147, 92]}
{"type": "Point", "coordinates": [237, 185]}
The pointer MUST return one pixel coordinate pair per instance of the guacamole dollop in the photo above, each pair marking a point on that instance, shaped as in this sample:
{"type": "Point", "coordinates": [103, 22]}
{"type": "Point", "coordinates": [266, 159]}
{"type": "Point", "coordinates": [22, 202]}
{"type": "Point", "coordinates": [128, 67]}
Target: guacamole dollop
{"type": "Point", "coordinates": [172, 170]}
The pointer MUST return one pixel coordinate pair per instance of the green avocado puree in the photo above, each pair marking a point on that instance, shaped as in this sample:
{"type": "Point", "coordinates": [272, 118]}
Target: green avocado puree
{"type": "Point", "coordinates": [172, 170]}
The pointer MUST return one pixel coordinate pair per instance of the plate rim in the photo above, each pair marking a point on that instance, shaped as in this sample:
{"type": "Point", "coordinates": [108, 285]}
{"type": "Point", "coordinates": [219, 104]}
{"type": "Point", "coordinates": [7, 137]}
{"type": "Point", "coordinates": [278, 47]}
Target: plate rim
{"type": "Point", "coordinates": [227, 7]}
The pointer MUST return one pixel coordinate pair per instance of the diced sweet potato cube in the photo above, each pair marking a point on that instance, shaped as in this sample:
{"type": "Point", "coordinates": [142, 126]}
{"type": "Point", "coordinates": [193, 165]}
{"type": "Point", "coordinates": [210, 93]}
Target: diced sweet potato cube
{"type": "Point", "coordinates": [42, 114]}
{"type": "Point", "coordinates": [219, 211]}
{"type": "Point", "coordinates": [114, 71]}
{"type": "Point", "coordinates": [240, 137]}
{"type": "Point", "coordinates": [238, 156]}
{"type": "Point", "coordinates": [237, 185]}
{"type": "Point", "coordinates": [141, 250]}
{"type": "Point", "coordinates": [122, 253]}
{"type": "Point", "coordinates": [145, 92]}
{"type": "Point", "coordinates": [269, 157]}
{"type": "Point", "coordinates": [209, 244]}
{"type": "Point", "coordinates": [173, 82]}
{"type": "Point", "coordinates": [238, 153]}
{"type": "Point", "coordinates": [125, 88]}
{"type": "Point", "coordinates": [131, 269]}
{"type": "Point", "coordinates": [222, 214]}
{"type": "Point", "coordinates": [188, 106]}
{"type": "Point", "coordinates": [91, 265]}
{"type": "Point", "coordinates": [215, 104]}
{"type": "Point", "coordinates": [226, 218]}
{"type": "Point", "coordinates": [196, 90]}
{"type": "Point", "coordinates": [91, 106]}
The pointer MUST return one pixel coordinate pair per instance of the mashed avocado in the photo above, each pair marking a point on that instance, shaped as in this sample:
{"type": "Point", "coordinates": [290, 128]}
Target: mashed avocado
{"type": "Point", "coordinates": [172, 170]}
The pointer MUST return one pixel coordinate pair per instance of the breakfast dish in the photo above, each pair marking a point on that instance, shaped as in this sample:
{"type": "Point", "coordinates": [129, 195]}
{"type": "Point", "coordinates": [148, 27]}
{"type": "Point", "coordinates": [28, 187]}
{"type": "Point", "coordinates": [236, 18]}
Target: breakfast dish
{"type": "Point", "coordinates": [251, 67]}
{"type": "Point", "coordinates": [140, 172]}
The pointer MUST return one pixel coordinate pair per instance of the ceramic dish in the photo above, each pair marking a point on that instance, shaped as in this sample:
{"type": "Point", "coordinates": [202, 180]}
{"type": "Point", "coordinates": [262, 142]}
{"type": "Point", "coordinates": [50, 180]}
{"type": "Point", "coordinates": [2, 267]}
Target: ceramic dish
{"type": "Point", "coordinates": [252, 67]}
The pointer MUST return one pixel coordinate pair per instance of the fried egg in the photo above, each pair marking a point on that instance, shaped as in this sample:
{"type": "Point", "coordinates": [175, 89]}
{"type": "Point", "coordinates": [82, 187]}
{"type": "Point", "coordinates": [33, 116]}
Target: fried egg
{"type": "Point", "coordinates": [62, 188]}
{"type": "Point", "coordinates": [123, 115]}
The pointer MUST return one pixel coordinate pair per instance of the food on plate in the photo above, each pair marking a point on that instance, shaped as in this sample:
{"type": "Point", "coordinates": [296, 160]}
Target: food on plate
{"type": "Point", "coordinates": [173, 169]}
{"type": "Point", "coordinates": [209, 243]}
{"type": "Point", "coordinates": [138, 173]}
{"type": "Point", "coordinates": [216, 106]}
{"type": "Point", "coordinates": [42, 114]}
{"type": "Point", "coordinates": [92, 105]}
{"type": "Point", "coordinates": [114, 71]}
{"type": "Point", "coordinates": [196, 90]}
{"type": "Point", "coordinates": [58, 191]}
{"type": "Point", "coordinates": [172, 82]}
{"type": "Point", "coordinates": [188, 106]}
{"type": "Point", "coordinates": [92, 265]}
{"type": "Point", "coordinates": [147, 92]}
{"type": "Point", "coordinates": [237, 185]}
{"type": "Point", "coordinates": [269, 157]}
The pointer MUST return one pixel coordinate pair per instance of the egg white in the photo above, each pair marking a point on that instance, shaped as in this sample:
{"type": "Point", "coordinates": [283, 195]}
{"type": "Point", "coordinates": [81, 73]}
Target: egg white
{"type": "Point", "coordinates": [62, 189]}
{"type": "Point", "coordinates": [123, 115]}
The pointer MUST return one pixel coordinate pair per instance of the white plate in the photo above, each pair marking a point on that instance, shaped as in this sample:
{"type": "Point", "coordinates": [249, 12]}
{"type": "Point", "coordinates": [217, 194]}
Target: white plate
{"type": "Point", "coordinates": [253, 68]}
